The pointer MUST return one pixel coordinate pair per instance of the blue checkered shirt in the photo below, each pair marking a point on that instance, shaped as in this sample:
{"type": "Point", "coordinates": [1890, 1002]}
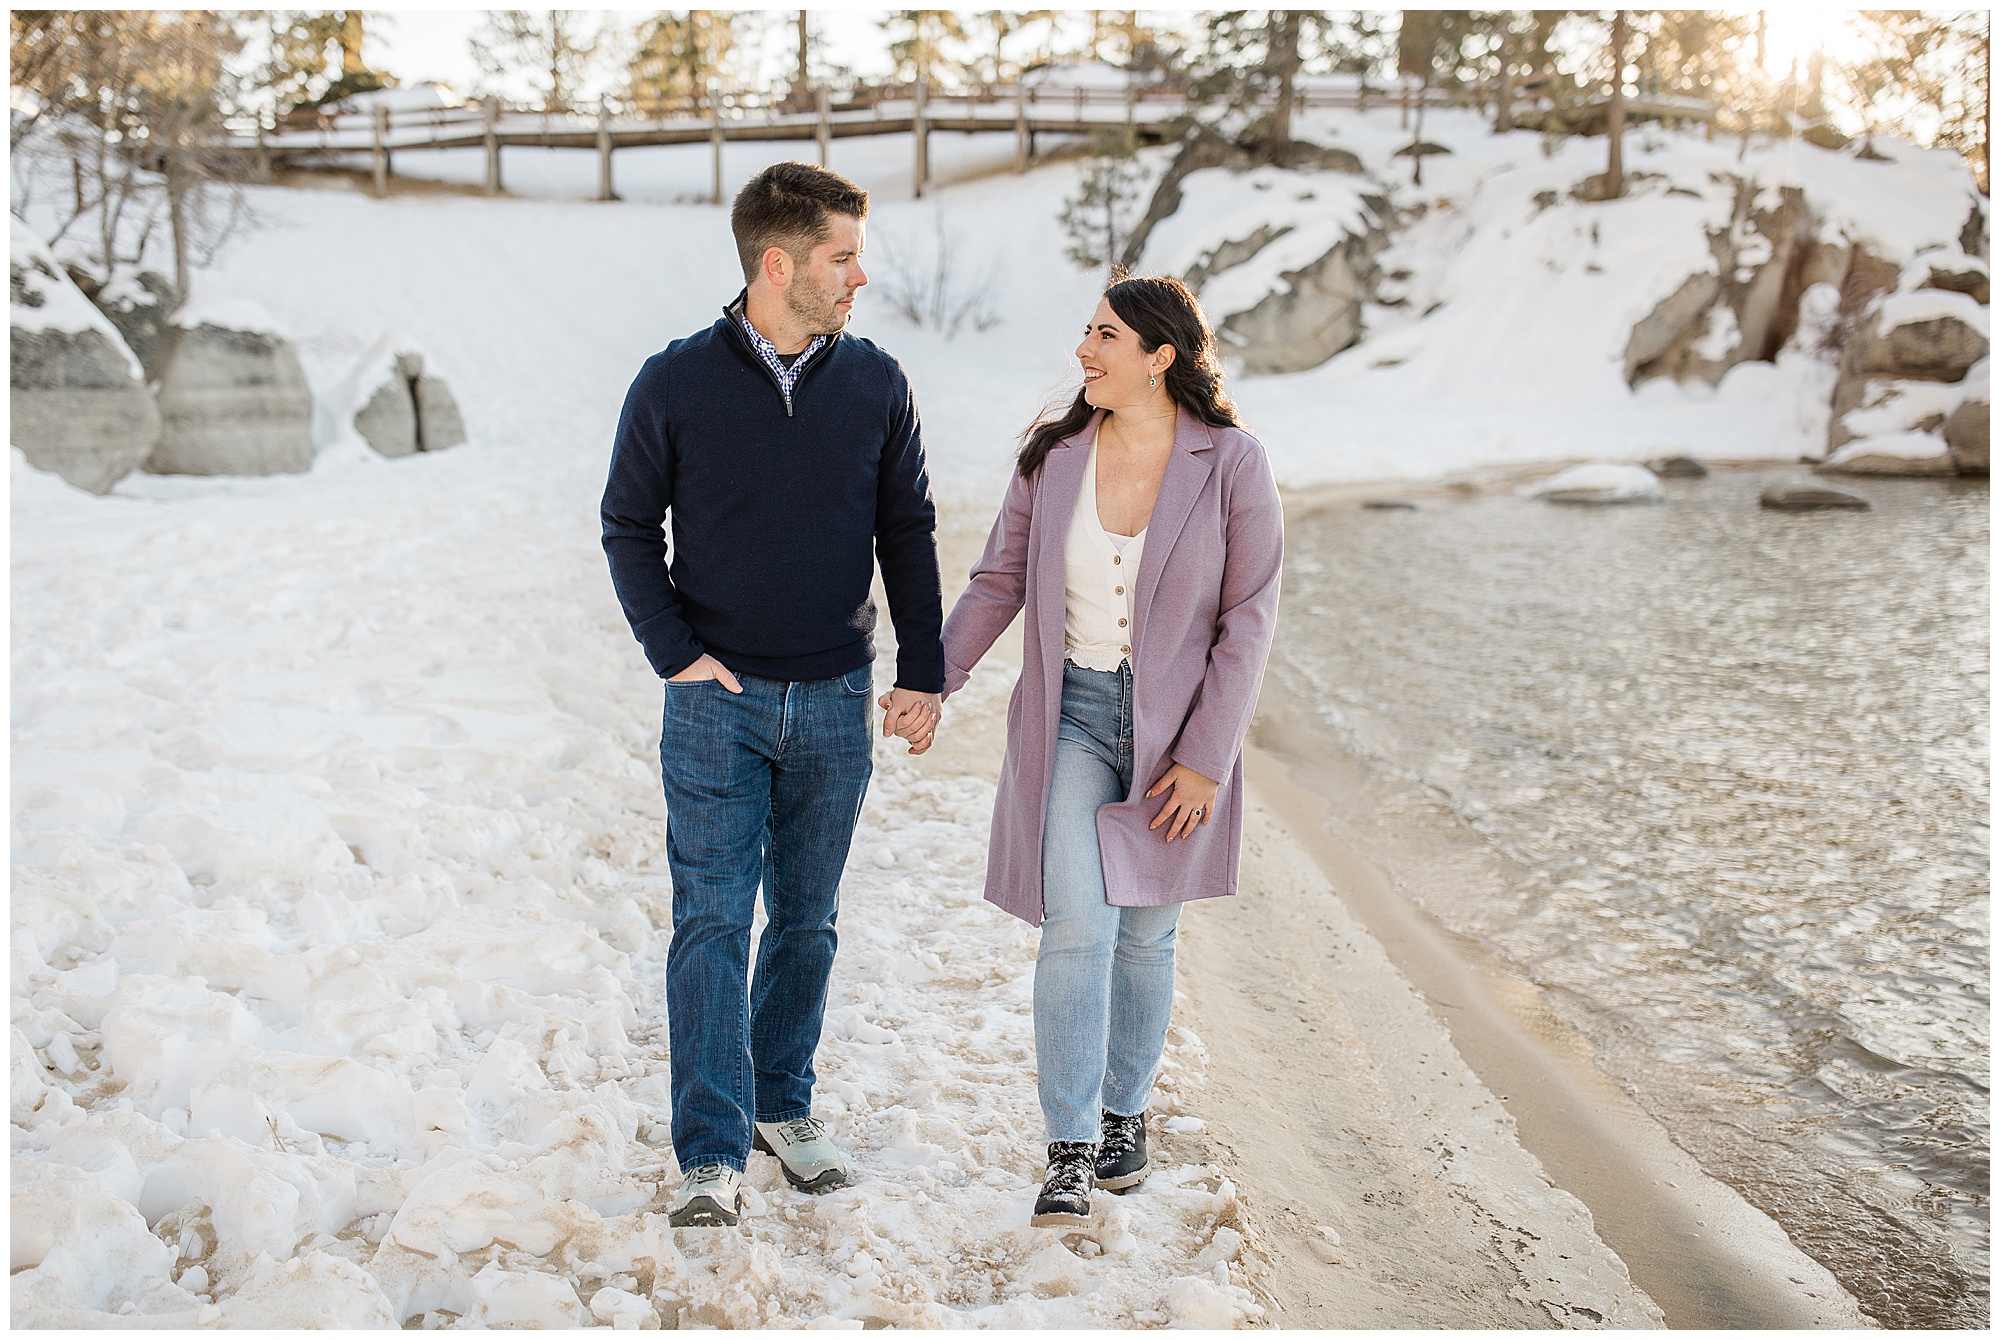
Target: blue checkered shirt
{"type": "Point", "coordinates": [787, 376]}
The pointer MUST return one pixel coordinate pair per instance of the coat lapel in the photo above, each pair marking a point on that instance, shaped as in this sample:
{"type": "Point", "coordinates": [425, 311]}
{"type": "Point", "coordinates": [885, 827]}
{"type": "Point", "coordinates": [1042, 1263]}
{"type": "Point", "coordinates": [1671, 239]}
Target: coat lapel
{"type": "Point", "coordinates": [1187, 474]}
{"type": "Point", "coordinates": [1062, 482]}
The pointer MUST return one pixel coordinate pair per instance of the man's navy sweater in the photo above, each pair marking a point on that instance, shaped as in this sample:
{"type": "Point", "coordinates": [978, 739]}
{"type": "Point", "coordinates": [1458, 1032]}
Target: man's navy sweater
{"type": "Point", "coordinates": [779, 511]}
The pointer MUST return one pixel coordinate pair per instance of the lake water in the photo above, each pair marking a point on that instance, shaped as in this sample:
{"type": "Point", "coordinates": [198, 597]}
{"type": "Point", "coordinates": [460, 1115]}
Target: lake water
{"type": "Point", "coordinates": [1739, 760]}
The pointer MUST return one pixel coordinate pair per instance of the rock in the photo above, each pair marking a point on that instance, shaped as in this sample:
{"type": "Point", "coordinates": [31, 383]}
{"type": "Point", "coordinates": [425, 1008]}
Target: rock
{"type": "Point", "coordinates": [1824, 135]}
{"type": "Point", "coordinates": [1678, 467]}
{"type": "Point", "coordinates": [1317, 316]}
{"type": "Point", "coordinates": [1802, 496]}
{"type": "Point", "coordinates": [388, 422]}
{"type": "Point", "coordinates": [1420, 149]}
{"type": "Point", "coordinates": [1667, 326]}
{"type": "Point", "coordinates": [1892, 407]}
{"type": "Point", "coordinates": [1968, 432]}
{"type": "Point", "coordinates": [1204, 148]}
{"type": "Point", "coordinates": [396, 407]}
{"type": "Point", "coordinates": [1956, 272]}
{"type": "Point", "coordinates": [234, 398]}
{"type": "Point", "coordinates": [78, 402]}
{"type": "Point", "coordinates": [439, 425]}
{"type": "Point", "coordinates": [1282, 260]}
{"type": "Point", "coordinates": [1748, 307]}
{"type": "Point", "coordinates": [1892, 454]}
{"type": "Point", "coordinates": [1928, 335]}
{"type": "Point", "coordinates": [1968, 428]}
{"type": "Point", "coordinates": [1389, 505]}
{"type": "Point", "coordinates": [141, 311]}
{"type": "Point", "coordinates": [1931, 334]}
{"type": "Point", "coordinates": [1601, 482]}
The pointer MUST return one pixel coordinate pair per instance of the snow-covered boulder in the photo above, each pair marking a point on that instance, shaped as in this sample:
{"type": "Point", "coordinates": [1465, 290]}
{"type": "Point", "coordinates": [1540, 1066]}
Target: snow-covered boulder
{"type": "Point", "coordinates": [233, 395]}
{"type": "Point", "coordinates": [1969, 428]}
{"type": "Point", "coordinates": [1933, 334]}
{"type": "Point", "coordinates": [1955, 271]}
{"type": "Point", "coordinates": [141, 308]}
{"type": "Point", "coordinates": [1747, 305]}
{"type": "Point", "coordinates": [392, 403]}
{"type": "Point", "coordinates": [1893, 454]}
{"type": "Point", "coordinates": [1601, 482]}
{"type": "Point", "coordinates": [77, 396]}
{"type": "Point", "coordinates": [1904, 348]}
{"type": "Point", "coordinates": [1282, 260]}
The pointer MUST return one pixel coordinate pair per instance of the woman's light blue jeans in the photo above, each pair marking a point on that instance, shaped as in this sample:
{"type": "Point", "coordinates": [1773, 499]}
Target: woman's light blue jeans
{"type": "Point", "coordinates": [1104, 975]}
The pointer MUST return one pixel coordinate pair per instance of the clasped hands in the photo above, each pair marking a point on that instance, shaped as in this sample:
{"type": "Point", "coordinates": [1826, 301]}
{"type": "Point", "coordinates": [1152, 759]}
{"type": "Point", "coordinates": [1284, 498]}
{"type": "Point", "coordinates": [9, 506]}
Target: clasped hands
{"type": "Point", "coordinates": [912, 715]}
{"type": "Point", "coordinates": [1190, 796]}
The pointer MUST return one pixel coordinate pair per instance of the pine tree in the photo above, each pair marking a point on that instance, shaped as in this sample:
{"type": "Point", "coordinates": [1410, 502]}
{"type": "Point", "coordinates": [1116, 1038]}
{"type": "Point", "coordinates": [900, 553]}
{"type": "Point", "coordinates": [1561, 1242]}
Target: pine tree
{"type": "Point", "coordinates": [921, 52]}
{"type": "Point", "coordinates": [678, 56]}
{"type": "Point", "coordinates": [557, 44]}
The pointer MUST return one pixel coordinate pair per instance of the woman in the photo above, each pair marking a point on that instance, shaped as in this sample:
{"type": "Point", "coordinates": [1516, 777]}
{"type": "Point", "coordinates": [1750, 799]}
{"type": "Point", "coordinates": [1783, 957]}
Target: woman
{"type": "Point", "coordinates": [1143, 534]}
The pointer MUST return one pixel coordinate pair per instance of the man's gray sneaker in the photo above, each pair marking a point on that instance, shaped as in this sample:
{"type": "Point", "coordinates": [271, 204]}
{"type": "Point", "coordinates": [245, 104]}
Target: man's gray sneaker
{"type": "Point", "coordinates": [810, 1161]}
{"type": "Point", "coordinates": [711, 1196]}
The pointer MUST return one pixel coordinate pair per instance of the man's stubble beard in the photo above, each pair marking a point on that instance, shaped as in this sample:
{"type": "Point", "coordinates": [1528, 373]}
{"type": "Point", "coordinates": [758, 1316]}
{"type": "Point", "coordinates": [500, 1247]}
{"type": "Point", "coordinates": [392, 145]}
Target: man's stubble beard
{"type": "Point", "coordinates": [817, 309]}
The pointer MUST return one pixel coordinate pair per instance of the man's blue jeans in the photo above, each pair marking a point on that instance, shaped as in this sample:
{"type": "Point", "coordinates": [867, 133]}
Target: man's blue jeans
{"type": "Point", "coordinates": [1104, 975]}
{"type": "Point", "coordinates": [763, 787]}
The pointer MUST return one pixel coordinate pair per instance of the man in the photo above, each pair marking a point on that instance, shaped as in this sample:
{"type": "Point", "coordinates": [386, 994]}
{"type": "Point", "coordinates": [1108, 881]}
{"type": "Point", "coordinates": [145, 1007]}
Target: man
{"type": "Point", "coordinates": [789, 456]}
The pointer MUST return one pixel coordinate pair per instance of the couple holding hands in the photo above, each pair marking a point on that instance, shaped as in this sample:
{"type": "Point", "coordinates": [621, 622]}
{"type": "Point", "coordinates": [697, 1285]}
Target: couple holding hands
{"type": "Point", "coordinates": [1141, 532]}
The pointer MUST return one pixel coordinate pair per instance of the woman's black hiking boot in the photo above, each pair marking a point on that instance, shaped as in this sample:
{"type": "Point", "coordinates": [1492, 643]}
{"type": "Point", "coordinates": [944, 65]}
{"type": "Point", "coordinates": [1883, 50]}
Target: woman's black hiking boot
{"type": "Point", "coordinates": [1065, 1198]}
{"type": "Point", "coordinates": [1121, 1153]}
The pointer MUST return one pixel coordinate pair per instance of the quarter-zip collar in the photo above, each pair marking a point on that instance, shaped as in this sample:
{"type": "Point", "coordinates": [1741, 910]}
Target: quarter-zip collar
{"type": "Point", "coordinates": [738, 316]}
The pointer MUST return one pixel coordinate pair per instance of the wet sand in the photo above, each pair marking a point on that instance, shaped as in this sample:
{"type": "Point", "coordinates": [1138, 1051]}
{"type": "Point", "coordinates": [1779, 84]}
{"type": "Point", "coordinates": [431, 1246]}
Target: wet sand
{"type": "Point", "coordinates": [1372, 1075]}
{"type": "Point", "coordinates": [1701, 1252]}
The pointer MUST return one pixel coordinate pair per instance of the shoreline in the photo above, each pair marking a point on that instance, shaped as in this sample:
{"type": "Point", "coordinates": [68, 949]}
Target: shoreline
{"type": "Point", "coordinates": [1698, 1249]}
{"type": "Point", "coordinates": [1372, 1074]}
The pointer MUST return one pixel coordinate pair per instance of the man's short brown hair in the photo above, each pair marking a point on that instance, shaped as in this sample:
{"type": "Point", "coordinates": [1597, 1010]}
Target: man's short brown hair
{"type": "Point", "coordinates": [786, 205]}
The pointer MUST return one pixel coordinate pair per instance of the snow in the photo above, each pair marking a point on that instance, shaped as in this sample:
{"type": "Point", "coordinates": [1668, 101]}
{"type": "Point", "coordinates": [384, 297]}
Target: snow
{"type": "Point", "coordinates": [1721, 335]}
{"type": "Point", "coordinates": [61, 304]}
{"type": "Point", "coordinates": [1601, 482]}
{"type": "Point", "coordinates": [1899, 446]}
{"type": "Point", "coordinates": [205, 306]}
{"type": "Point", "coordinates": [1897, 406]}
{"type": "Point", "coordinates": [335, 407]}
{"type": "Point", "coordinates": [339, 904]}
{"type": "Point", "coordinates": [1507, 346]}
{"type": "Point", "coordinates": [1931, 304]}
{"type": "Point", "coordinates": [1313, 212]}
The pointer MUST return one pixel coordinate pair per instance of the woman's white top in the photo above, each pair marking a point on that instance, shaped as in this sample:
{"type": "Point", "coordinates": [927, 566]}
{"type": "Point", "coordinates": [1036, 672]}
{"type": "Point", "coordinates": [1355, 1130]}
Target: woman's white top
{"type": "Point", "coordinates": [1099, 576]}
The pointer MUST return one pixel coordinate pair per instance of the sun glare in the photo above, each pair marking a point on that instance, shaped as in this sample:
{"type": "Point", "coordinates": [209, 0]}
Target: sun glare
{"type": "Point", "coordinates": [1792, 35]}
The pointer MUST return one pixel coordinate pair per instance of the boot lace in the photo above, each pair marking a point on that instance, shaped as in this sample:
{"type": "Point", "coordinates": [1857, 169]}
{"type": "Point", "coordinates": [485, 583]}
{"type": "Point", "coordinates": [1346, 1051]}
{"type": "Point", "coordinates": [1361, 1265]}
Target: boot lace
{"type": "Point", "coordinates": [1121, 1135]}
{"type": "Point", "coordinates": [1072, 1169]}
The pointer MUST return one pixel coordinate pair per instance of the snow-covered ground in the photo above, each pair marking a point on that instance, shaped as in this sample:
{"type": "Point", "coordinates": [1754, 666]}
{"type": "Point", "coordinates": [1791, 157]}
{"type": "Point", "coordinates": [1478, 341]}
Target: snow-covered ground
{"type": "Point", "coordinates": [338, 897]}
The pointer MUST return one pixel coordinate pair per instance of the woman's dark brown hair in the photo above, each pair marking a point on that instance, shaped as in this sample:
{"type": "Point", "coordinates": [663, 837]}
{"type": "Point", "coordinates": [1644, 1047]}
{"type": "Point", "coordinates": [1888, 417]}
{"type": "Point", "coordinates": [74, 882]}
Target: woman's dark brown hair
{"type": "Point", "coordinates": [1159, 311]}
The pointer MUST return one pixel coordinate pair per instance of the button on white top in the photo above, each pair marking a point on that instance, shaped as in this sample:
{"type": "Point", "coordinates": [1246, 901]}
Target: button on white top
{"type": "Point", "coordinates": [1097, 600]}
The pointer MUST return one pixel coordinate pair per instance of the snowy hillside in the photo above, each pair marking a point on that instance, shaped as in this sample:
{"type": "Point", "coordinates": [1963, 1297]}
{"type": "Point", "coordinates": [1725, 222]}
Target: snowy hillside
{"type": "Point", "coordinates": [1516, 301]}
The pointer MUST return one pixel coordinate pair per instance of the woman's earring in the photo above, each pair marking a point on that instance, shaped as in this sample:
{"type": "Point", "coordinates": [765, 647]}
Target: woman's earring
{"type": "Point", "coordinates": [1152, 381]}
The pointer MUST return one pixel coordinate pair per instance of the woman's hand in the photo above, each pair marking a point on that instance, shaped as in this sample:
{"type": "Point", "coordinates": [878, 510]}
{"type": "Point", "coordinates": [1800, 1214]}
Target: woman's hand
{"type": "Point", "coordinates": [914, 716]}
{"type": "Point", "coordinates": [1192, 801]}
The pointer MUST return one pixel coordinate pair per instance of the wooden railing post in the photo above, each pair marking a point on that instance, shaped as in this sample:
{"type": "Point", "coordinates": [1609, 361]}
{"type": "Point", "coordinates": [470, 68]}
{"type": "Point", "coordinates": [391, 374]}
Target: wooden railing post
{"type": "Point", "coordinates": [604, 188]}
{"type": "Point", "coordinates": [1024, 151]}
{"type": "Point", "coordinates": [920, 169]}
{"type": "Point", "coordinates": [490, 113]}
{"type": "Point", "coordinates": [715, 137]}
{"type": "Point", "coordinates": [381, 156]}
{"type": "Point", "coordinates": [824, 131]}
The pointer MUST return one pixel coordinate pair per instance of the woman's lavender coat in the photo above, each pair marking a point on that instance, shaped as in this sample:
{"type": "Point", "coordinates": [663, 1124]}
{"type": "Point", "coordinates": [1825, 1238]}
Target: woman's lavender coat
{"type": "Point", "coordinates": [1205, 606]}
